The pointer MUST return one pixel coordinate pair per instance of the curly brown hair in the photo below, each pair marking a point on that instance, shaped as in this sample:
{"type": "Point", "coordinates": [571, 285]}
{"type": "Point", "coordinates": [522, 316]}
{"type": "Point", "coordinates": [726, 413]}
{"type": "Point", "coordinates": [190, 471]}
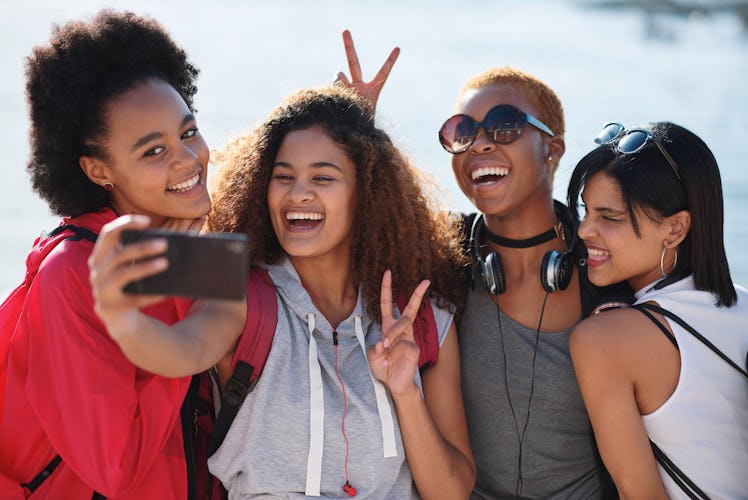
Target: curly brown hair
{"type": "Point", "coordinates": [69, 83]}
{"type": "Point", "coordinates": [396, 225]}
{"type": "Point", "coordinates": [538, 92]}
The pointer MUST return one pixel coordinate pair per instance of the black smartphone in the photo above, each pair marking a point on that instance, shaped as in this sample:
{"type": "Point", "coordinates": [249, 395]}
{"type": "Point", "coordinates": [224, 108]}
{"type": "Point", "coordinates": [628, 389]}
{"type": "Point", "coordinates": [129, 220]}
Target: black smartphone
{"type": "Point", "coordinates": [212, 265]}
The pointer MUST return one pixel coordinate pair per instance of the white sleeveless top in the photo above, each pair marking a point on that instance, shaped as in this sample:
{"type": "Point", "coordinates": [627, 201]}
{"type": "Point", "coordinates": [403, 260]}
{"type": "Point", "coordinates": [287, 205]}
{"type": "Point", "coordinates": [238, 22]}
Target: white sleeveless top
{"type": "Point", "coordinates": [703, 426]}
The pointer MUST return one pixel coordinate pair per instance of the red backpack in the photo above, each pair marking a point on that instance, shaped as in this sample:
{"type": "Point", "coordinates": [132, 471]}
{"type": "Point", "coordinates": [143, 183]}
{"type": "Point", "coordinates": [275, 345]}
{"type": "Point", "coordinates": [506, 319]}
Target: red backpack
{"type": "Point", "coordinates": [10, 313]}
{"type": "Point", "coordinates": [249, 360]}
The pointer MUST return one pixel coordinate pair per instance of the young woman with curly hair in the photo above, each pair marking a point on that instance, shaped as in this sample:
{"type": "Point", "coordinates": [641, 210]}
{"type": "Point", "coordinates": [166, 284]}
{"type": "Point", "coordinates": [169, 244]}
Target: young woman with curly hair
{"type": "Point", "coordinates": [337, 216]}
{"type": "Point", "coordinates": [112, 132]}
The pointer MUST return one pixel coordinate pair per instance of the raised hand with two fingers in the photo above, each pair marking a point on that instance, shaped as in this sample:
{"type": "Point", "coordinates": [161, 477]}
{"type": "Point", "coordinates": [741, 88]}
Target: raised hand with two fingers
{"type": "Point", "coordinates": [368, 90]}
{"type": "Point", "coordinates": [394, 359]}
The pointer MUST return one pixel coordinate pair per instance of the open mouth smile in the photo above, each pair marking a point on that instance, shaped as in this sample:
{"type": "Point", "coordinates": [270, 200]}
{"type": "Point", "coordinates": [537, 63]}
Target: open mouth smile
{"type": "Point", "coordinates": [488, 175]}
{"type": "Point", "coordinates": [304, 220]}
{"type": "Point", "coordinates": [185, 185]}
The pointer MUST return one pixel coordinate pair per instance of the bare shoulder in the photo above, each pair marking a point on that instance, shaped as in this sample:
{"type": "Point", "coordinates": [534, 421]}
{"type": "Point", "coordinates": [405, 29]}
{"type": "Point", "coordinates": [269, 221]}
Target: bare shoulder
{"type": "Point", "coordinates": [610, 333]}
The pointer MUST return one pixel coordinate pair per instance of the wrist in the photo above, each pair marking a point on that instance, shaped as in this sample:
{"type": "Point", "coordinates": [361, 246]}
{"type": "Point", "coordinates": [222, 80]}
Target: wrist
{"type": "Point", "coordinates": [407, 394]}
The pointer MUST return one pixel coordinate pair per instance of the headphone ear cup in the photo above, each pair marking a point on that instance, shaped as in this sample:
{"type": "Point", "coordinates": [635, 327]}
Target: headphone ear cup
{"type": "Point", "coordinates": [493, 274]}
{"type": "Point", "coordinates": [556, 270]}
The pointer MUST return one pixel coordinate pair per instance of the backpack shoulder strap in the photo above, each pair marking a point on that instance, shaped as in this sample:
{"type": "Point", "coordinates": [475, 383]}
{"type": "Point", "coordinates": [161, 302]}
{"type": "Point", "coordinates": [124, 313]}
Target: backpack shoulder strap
{"type": "Point", "coordinates": [424, 331]}
{"type": "Point", "coordinates": [44, 474]}
{"type": "Point", "coordinates": [693, 332]}
{"type": "Point", "coordinates": [14, 302]}
{"type": "Point", "coordinates": [468, 221]}
{"type": "Point", "coordinates": [251, 351]}
{"type": "Point", "coordinates": [678, 476]}
{"type": "Point", "coordinates": [645, 312]}
{"type": "Point", "coordinates": [79, 233]}
{"type": "Point", "coordinates": [262, 317]}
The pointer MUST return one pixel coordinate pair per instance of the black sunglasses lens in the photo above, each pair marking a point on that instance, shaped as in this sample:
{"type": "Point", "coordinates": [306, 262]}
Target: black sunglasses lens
{"type": "Point", "coordinates": [609, 133]}
{"type": "Point", "coordinates": [458, 133]}
{"type": "Point", "coordinates": [632, 142]}
{"type": "Point", "coordinates": [504, 124]}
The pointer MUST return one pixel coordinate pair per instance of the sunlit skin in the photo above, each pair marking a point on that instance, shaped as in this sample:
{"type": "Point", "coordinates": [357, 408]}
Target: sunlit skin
{"type": "Point", "coordinates": [156, 158]}
{"type": "Point", "coordinates": [311, 202]}
{"type": "Point", "coordinates": [625, 366]}
{"type": "Point", "coordinates": [615, 252]}
{"type": "Point", "coordinates": [528, 179]}
{"type": "Point", "coordinates": [311, 199]}
{"type": "Point", "coordinates": [517, 205]}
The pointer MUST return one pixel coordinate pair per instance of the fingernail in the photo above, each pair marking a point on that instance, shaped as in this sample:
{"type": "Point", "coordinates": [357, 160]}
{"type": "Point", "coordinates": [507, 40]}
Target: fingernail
{"type": "Point", "coordinates": [158, 244]}
{"type": "Point", "coordinates": [140, 219]}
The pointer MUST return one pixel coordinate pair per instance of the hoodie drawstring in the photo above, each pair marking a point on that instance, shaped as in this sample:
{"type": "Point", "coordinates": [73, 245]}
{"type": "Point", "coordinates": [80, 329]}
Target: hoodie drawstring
{"type": "Point", "coordinates": [317, 411]}
{"type": "Point", "coordinates": [389, 448]}
{"type": "Point", "coordinates": [316, 417]}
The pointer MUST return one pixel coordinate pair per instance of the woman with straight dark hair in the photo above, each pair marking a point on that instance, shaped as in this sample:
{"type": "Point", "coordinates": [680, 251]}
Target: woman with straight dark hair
{"type": "Point", "coordinates": [664, 381]}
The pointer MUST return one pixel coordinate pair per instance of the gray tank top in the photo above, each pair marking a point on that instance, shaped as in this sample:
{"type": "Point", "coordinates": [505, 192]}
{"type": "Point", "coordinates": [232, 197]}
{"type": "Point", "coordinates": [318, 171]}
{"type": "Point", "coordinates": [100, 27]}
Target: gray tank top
{"type": "Point", "coordinates": [559, 458]}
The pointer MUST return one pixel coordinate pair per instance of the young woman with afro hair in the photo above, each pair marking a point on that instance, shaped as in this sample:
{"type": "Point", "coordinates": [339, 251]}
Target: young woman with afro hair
{"type": "Point", "coordinates": [113, 132]}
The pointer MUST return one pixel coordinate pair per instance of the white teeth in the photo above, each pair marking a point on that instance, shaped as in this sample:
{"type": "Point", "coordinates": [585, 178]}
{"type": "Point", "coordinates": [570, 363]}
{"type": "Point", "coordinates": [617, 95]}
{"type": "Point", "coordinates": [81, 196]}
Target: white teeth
{"type": "Point", "coordinates": [595, 251]}
{"type": "Point", "coordinates": [483, 171]}
{"type": "Point", "coordinates": [185, 185]}
{"type": "Point", "coordinates": [304, 216]}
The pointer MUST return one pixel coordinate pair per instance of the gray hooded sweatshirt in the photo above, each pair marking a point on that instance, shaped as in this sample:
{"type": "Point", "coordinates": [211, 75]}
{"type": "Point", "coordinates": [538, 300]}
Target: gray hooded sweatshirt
{"type": "Point", "coordinates": [278, 448]}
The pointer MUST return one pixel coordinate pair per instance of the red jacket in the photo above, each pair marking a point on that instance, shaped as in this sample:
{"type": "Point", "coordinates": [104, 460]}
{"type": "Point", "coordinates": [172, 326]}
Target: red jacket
{"type": "Point", "coordinates": [70, 391]}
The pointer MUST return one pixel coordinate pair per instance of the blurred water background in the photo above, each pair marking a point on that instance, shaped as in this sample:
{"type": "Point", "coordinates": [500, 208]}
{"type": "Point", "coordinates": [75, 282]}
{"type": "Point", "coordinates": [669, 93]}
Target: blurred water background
{"type": "Point", "coordinates": [625, 62]}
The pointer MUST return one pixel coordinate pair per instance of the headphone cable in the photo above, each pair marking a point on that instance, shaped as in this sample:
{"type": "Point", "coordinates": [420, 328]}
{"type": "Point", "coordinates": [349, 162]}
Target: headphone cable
{"type": "Point", "coordinates": [520, 435]}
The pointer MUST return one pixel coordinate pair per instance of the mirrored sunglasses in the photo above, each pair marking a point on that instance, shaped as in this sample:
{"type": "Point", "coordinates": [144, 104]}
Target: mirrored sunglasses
{"type": "Point", "coordinates": [632, 141]}
{"type": "Point", "coordinates": [503, 124]}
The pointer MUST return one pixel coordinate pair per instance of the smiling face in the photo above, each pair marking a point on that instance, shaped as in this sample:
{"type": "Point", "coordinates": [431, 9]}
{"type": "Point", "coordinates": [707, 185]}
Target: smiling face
{"type": "Point", "coordinates": [615, 252]}
{"type": "Point", "coordinates": [500, 178]}
{"type": "Point", "coordinates": [311, 197]}
{"type": "Point", "coordinates": [156, 158]}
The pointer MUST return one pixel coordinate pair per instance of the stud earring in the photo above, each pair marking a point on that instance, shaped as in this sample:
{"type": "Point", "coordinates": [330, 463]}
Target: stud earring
{"type": "Point", "coordinates": [108, 186]}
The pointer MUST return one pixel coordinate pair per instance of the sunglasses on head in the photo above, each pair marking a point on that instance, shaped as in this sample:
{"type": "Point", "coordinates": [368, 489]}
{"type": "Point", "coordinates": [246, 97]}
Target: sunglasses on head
{"type": "Point", "coordinates": [503, 124]}
{"type": "Point", "coordinates": [632, 141]}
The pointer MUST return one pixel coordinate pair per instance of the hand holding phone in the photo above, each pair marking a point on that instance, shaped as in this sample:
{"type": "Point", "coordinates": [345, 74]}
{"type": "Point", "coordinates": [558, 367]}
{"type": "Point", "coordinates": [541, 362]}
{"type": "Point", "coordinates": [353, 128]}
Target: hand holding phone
{"type": "Point", "coordinates": [212, 265]}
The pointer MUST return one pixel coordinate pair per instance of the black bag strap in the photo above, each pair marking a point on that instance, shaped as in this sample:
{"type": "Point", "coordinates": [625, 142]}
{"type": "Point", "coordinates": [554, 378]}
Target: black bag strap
{"type": "Point", "coordinates": [693, 332]}
{"type": "Point", "coordinates": [677, 475]}
{"type": "Point", "coordinates": [685, 484]}
{"type": "Point", "coordinates": [236, 390]}
{"type": "Point", "coordinates": [79, 233]}
{"type": "Point", "coordinates": [659, 325]}
{"type": "Point", "coordinates": [187, 417]}
{"type": "Point", "coordinates": [44, 474]}
{"type": "Point", "coordinates": [468, 273]}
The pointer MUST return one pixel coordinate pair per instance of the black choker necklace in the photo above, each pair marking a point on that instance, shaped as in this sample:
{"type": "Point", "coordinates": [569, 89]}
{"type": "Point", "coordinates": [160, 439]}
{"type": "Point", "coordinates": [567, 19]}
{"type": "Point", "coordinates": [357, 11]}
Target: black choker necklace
{"type": "Point", "coordinates": [536, 240]}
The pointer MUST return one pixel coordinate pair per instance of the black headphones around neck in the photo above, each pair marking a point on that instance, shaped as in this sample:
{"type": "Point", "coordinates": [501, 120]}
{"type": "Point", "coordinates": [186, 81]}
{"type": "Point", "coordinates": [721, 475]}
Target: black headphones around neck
{"type": "Point", "coordinates": [556, 268]}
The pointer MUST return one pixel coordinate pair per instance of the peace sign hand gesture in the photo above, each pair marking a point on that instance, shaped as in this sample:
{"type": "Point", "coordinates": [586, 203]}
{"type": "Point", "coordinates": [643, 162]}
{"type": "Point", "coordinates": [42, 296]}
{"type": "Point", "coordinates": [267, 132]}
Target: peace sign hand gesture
{"type": "Point", "coordinates": [394, 359]}
{"type": "Point", "coordinates": [368, 90]}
